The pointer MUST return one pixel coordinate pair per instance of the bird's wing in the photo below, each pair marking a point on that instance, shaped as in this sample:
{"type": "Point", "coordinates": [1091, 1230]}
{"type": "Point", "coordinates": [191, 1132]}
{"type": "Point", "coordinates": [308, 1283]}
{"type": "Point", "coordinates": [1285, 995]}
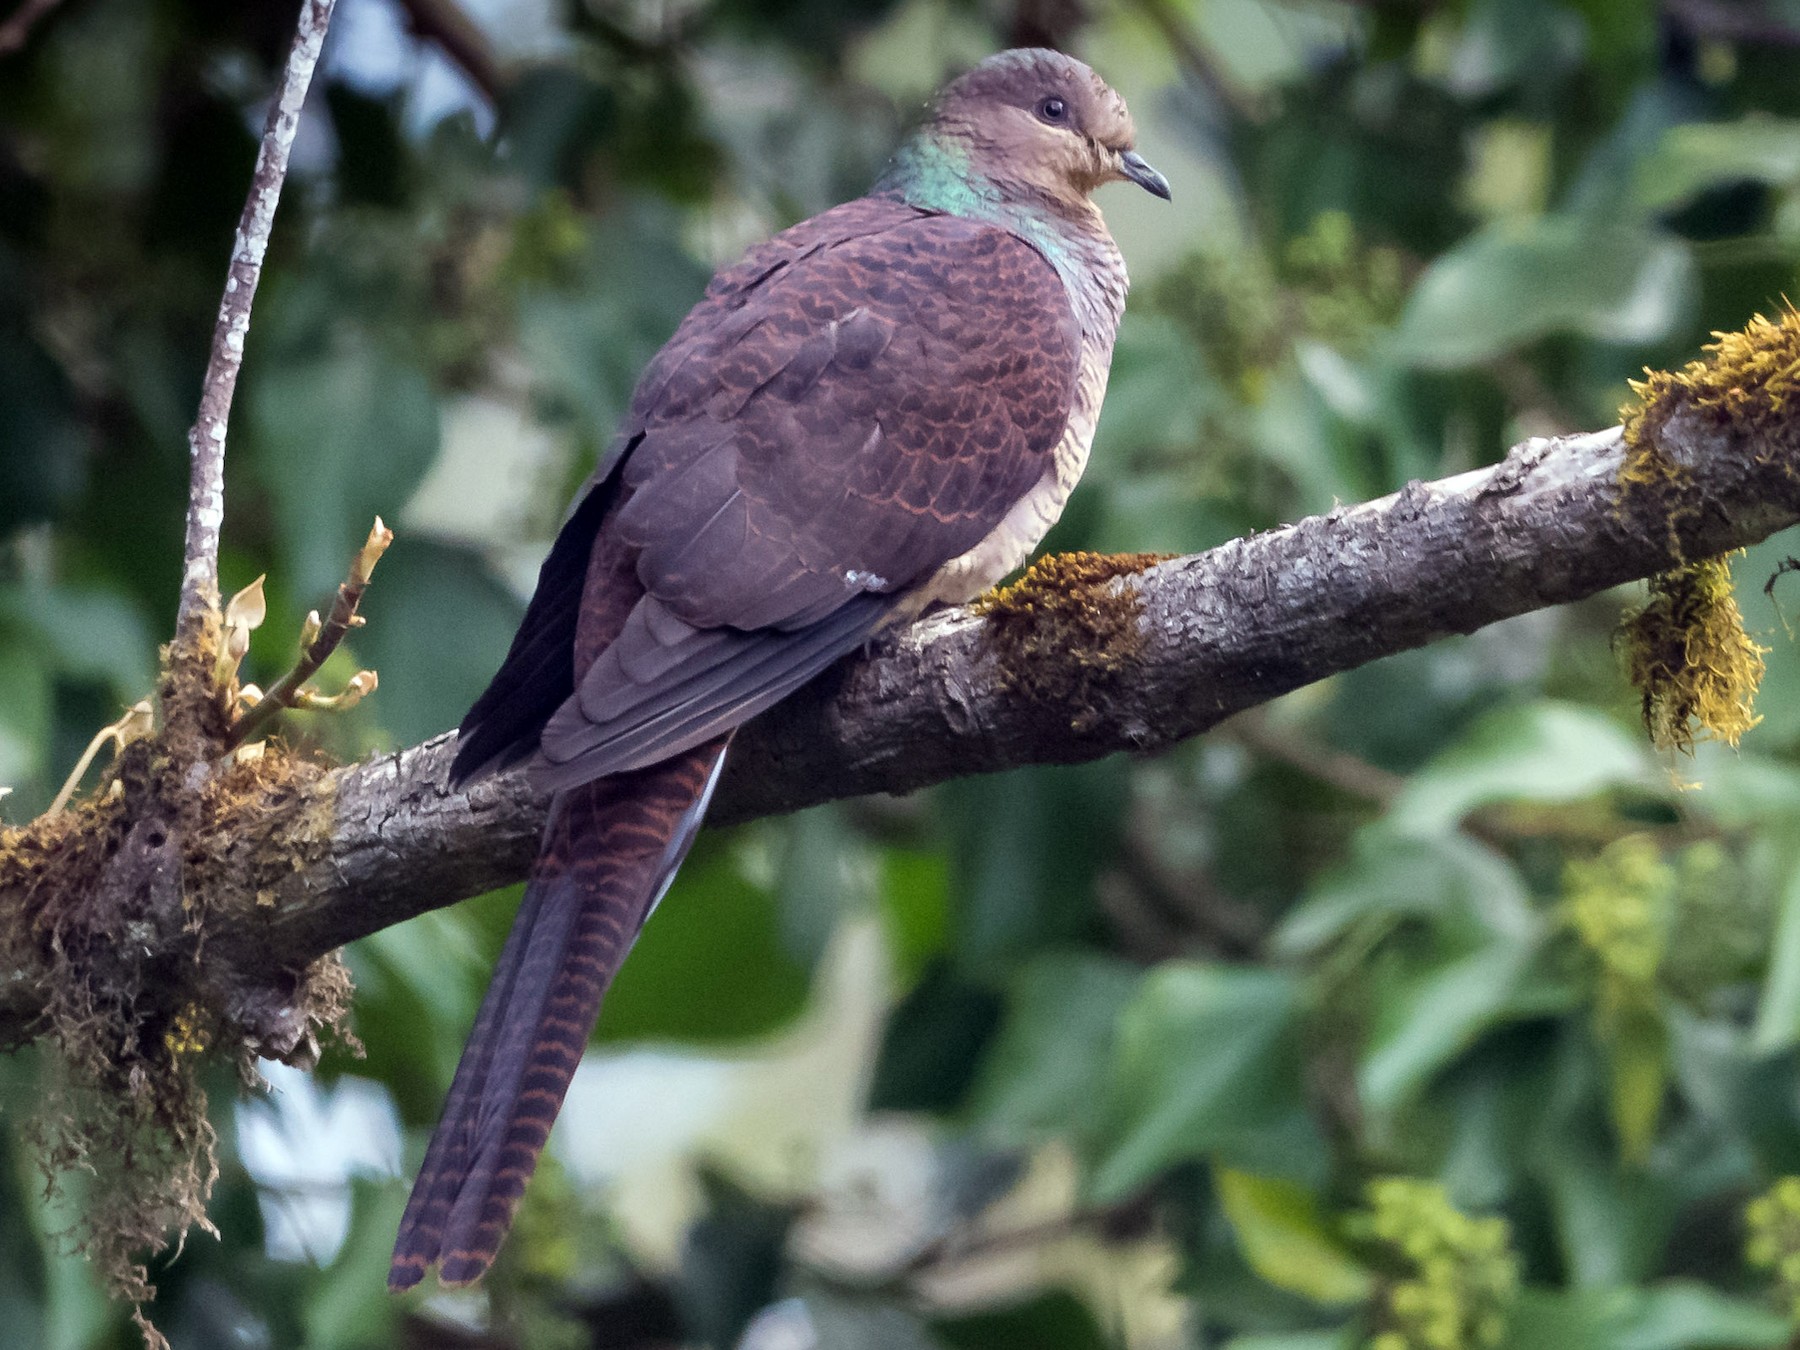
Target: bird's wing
{"type": "Point", "coordinates": [817, 446]}
{"type": "Point", "coordinates": [539, 673]}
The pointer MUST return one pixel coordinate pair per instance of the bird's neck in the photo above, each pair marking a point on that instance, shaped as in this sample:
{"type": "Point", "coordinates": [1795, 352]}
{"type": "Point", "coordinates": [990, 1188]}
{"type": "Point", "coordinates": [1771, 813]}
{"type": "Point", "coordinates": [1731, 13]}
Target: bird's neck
{"type": "Point", "coordinates": [938, 173]}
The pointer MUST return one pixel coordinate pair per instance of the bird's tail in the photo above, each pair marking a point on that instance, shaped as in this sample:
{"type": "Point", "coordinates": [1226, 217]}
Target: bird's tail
{"type": "Point", "coordinates": [609, 851]}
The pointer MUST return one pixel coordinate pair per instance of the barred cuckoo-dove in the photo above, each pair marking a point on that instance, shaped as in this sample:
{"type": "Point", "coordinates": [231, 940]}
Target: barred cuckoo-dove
{"type": "Point", "coordinates": [883, 407]}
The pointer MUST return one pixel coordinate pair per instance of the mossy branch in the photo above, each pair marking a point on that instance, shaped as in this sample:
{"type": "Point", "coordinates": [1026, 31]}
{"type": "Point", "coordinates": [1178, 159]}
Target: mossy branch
{"type": "Point", "coordinates": [1081, 660]}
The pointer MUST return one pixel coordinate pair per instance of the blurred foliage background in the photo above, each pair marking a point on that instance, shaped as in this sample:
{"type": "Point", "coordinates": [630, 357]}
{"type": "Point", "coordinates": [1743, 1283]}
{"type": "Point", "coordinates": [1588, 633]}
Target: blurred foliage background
{"type": "Point", "coordinates": [1426, 1009]}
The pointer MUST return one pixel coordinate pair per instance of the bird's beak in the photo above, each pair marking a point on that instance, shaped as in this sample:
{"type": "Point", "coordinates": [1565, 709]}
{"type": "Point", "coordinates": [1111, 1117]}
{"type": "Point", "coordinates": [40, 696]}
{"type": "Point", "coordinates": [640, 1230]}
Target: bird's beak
{"type": "Point", "coordinates": [1135, 167]}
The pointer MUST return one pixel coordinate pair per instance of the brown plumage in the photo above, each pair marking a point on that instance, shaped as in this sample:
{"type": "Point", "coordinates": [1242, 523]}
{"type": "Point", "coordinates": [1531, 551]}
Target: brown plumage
{"type": "Point", "coordinates": [883, 406]}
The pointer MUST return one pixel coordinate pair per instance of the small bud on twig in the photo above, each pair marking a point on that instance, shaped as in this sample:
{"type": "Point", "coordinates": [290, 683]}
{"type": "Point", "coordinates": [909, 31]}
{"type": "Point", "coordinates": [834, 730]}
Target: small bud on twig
{"type": "Point", "coordinates": [244, 613]}
{"type": "Point", "coordinates": [361, 685]}
{"type": "Point", "coordinates": [318, 640]}
{"type": "Point", "coordinates": [363, 567]}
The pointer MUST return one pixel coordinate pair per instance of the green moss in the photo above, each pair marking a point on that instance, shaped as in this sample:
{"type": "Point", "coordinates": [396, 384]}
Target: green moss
{"type": "Point", "coordinates": [1748, 380]}
{"type": "Point", "coordinates": [1686, 650]}
{"type": "Point", "coordinates": [1062, 631]}
{"type": "Point", "coordinates": [129, 1038]}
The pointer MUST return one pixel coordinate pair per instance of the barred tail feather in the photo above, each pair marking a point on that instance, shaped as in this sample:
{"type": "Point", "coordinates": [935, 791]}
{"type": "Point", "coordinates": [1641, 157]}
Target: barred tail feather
{"type": "Point", "coordinates": [609, 851]}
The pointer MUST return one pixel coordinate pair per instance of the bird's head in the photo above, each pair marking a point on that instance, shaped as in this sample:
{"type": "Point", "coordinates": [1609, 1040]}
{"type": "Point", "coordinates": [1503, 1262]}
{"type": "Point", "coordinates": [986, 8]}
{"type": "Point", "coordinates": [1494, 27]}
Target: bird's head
{"type": "Point", "coordinates": [1036, 122]}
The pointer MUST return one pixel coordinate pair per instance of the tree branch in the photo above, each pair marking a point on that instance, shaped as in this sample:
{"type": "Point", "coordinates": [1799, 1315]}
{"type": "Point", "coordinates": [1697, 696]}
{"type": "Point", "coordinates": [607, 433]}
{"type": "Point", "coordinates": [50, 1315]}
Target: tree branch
{"type": "Point", "coordinates": [447, 24]}
{"type": "Point", "coordinates": [1164, 655]}
{"type": "Point", "coordinates": [206, 442]}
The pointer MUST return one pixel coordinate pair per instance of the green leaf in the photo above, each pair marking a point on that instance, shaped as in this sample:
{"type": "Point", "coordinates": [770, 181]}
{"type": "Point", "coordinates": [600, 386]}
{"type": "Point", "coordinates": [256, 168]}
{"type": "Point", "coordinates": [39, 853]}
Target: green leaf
{"type": "Point", "coordinates": [1766, 597]}
{"type": "Point", "coordinates": [1637, 1052]}
{"type": "Point", "coordinates": [1486, 1110]}
{"type": "Point", "coordinates": [439, 623]}
{"type": "Point", "coordinates": [1540, 752]}
{"type": "Point", "coordinates": [1044, 1071]}
{"type": "Point", "coordinates": [1515, 282]}
{"type": "Point", "coordinates": [816, 879]}
{"type": "Point", "coordinates": [1676, 1315]}
{"type": "Point", "coordinates": [1778, 1012]}
{"type": "Point", "coordinates": [49, 1294]}
{"type": "Point", "coordinates": [1297, 432]}
{"type": "Point", "coordinates": [934, 1043]}
{"type": "Point", "coordinates": [43, 467]}
{"type": "Point", "coordinates": [1286, 1239]}
{"type": "Point", "coordinates": [91, 633]}
{"type": "Point", "coordinates": [350, 1308]}
{"type": "Point", "coordinates": [1449, 880]}
{"type": "Point", "coordinates": [915, 903]}
{"type": "Point", "coordinates": [1682, 1315]}
{"type": "Point", "coordinates": [1749, 790]}
{"type": "Point", "coordinates": [1027, 848]}
{"type": "Point", "coordinates": [1206, 1063]}
{"type": "Point", "coordinates": [731, 1260]}
{"type": "Point", "coordinates": [1156, 393]}
{"type": "Point", "coordinates": [342, 438]}
{"type": "Point", "coordinates": [24, 714]}
{"type": "Point", "coordinates": [1431, 1015]}
{"type": "Point", "coordinates": [1507, 43]}
{"type": "Point", "coordinates": [588, 340]}
{"type": "Point", "coordinates": [1697, 156]}
{"type": "Point", "coordinates": [1611, 1222]}
{"type": "Point", "coordinates": [555, 117]}
{"type": "Point", "coordinates": [417, 987]}
{"type": "Point", "coordinates": [1345, 1339]}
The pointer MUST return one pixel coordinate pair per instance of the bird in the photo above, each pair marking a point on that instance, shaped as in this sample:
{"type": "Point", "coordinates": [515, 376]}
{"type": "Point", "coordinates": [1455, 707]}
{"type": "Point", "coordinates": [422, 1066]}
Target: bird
{"type": "Point", "coordinates": [880, 409]}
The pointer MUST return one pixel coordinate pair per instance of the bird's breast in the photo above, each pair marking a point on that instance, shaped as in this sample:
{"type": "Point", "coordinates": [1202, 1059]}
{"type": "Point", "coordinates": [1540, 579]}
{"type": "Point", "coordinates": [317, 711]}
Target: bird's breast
{"type": "Point", "coordinates": [1024, 527]}
{"type": "Point", "coordinates": [1097, 283]}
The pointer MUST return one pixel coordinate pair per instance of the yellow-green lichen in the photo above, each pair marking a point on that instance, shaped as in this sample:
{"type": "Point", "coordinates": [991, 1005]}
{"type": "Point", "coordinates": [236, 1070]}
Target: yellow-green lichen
{"type": "Point", "coordinates": [1687, 654]}
{"type": "Point", "coordinates": [1453, 1276]}
{"type": "Point", "coordinates": [1062, 630]}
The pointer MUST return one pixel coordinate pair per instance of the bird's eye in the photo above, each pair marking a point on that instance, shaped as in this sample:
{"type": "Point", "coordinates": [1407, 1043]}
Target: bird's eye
{"type": "Point", "coordinates": [1053, 110]}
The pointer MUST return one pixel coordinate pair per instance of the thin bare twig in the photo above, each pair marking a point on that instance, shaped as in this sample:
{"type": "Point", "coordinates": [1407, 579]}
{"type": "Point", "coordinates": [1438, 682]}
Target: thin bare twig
{"type": "Point", "coordinates": [1199, 63]}
{"type": "Point", "coordinates": [1125, 1217]}
{"type": "Point", "coordinates": [1348, 774]}
{"type": "Point", "coordinates": [445, 23]}
{"type": "Point", "coordinates": [1356, 777]}
{"type": "Point", "coordinates": [321, 640]}
{"type": "Point", "coordinates": [17, 28]}
{"type": "Point", "coordinates": [206, 442]}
